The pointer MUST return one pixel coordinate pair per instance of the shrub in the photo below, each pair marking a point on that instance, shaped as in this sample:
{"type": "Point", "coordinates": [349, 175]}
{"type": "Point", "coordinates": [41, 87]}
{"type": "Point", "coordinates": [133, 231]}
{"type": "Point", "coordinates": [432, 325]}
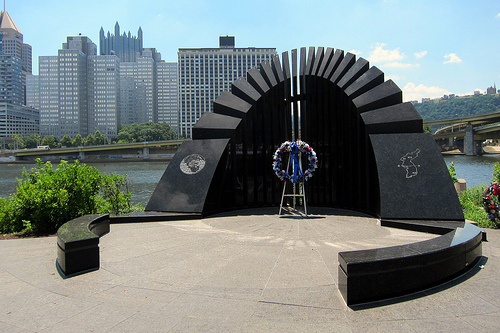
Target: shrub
{"type": "Point", "coordinates": [45, 199]}
{"type": "Point", "coordinates": [453, 173]}
{"type": "Point", "coordinates": [472, 206]}
{"type": "Point", "coordinates": [496, 172]}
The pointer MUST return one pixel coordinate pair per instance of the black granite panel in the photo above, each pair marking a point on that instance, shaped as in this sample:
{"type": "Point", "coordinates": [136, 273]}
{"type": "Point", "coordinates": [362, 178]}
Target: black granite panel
{"type": "Point", "coordinates": [358, 69]}
{"type": "Point", "coordinates": [399, 118]}
{"type": "Point", "coordinates": [286, 66]}
{"type": "Point", "coordinates": [257, 81]}
{"type": "Point", "coordinates": [78, 261]}
{"type": "Point", "coordinates": [78, 243]}
{"type": "Point", "coordinates": [277, 70]}
{"type": "Point", "coordinates": [413, 177]}
{"type": "Point", "coordinates": [267, 73]}
{"type": "Point", "coordinates": [385, 94]}
{"type": "Point", "coordinates": [186, 182]}
{"type": "Point", "coordinates": [381, 273]}
{"type": "Point", "coordinates": [82, 231]}
{"type": "Point", "coordinates": [317, 61]}
{"type": "Point", "coordinates": [310, 61]}
{"type": "Point", "coordinates": [244, 90]}
{"type": "Point", "coordinates": [430, 226]}
{"type": "Point", "coordinates": [369, 80]}
{"type": "Point", "coordinates": [215, 126]}
{"type": "Point", "coordinates": [334, 63]}
{"type": "Point", "coordinates": [344, 66]}
{"type": "Point", "coordinates": [302, 62]}
{"type": "Point", "coordinates": [231, 105]}
{"type": "Point", "coordinates": [326, 61]}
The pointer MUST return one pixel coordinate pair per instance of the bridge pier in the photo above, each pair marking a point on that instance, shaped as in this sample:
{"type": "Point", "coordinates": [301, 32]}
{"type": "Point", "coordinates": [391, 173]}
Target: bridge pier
{"type": "Point", "coordinates": [472, 147]}
{"type": "Point", "coordinates": [145, 152]}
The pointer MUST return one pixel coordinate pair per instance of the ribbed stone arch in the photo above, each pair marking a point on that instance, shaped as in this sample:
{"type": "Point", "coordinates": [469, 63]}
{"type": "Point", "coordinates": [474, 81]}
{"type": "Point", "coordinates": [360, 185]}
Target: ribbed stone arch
{"type": "Point", "coordinates": [356, 121]}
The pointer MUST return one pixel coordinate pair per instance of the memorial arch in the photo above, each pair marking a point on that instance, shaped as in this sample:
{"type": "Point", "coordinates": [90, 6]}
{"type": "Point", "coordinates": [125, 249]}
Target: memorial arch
{"type": "Point", "coordinates": [368, 143]}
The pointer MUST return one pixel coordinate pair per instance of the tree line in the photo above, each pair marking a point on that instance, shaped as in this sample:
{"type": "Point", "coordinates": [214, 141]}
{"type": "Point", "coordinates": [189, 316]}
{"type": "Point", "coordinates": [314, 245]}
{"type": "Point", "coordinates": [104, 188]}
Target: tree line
{"type": "Point", "coordinates": [459, 107]}
{"type": "Point", "coordinates": [127, 134]}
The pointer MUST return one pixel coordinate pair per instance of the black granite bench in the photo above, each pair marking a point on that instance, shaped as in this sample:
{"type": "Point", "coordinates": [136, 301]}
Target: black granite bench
{"type": "Point", "coordinates": [78, 243]}
{"type": "Point", "coordinates": [375, 274]}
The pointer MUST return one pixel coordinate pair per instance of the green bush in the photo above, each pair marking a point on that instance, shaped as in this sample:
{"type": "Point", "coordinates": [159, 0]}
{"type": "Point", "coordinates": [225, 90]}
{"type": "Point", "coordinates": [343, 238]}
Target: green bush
{"type": "Point", "coordinates": [453, 173]}
{"type": "Point", "coordinates": [472, 206]}
{"type": "Point", "coordinates": [46, 198]}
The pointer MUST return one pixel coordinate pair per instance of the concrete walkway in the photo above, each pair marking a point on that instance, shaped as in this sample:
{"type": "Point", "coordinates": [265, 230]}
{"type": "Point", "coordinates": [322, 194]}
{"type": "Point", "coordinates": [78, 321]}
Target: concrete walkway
{"type": "Point", "coordinates": [251, 272]}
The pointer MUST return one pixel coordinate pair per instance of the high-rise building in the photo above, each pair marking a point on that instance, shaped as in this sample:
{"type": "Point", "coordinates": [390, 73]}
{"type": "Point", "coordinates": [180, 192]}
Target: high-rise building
{"type": "Point", "coordinates": [103, 94]}
{"type": "Point", "coordinates": [124, 46]}
{"type": "Point", "coordinates": [73, 85]}
{"type": "Point", "coordinates": [48, 93]}
{"type": "Point", "coordinates": [80, 92]}
{"type": "Point", "coordinates": [168, 105]}
{"type": "Point", "coordinates": [204, 73]}
{"type": "Point", "coordinates": [11, 43]}
{"type": "Point", "coordinates": [15, 116]}
{"type": "Point", "coordinates": [148, 89]}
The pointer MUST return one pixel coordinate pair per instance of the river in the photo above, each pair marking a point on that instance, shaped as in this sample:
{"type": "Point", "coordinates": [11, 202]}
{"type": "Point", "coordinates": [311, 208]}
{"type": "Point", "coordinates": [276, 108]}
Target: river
{"type": "Point", "coordinates": [143, 176]}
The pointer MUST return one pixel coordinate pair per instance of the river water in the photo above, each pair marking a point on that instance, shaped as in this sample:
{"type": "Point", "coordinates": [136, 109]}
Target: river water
{"type": "Point", "coordinates": [143, 176]}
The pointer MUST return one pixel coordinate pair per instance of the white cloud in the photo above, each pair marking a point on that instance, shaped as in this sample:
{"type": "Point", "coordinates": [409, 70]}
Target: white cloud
{"type": "Point", "coordinates": [379, 54]}
{"type": "Point", "coordinates": [356, 52]}
{"type": "Point", "coordinates": [399, 65]}
{"type": "Point", "coordinates": [452, 59]}
{"type": "Point", "coordinates": [412, 92]}
{"type": "Point", "coordinates": [498, 15]}
{"type": "Point", "coordinates": [420, 54]}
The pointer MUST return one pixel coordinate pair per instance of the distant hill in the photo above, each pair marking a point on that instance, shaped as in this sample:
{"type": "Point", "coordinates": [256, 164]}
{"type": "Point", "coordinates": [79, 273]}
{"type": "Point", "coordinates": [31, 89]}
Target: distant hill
{"type": "Point", "coordinates": [459, 107]}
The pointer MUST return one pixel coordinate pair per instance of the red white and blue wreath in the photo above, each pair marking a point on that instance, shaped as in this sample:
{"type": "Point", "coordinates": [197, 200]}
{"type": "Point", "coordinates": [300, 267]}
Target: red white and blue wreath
{"type": "Point", "coordinates": [490, 202]}
{"type": "Point", "coordinates": [294, 148]}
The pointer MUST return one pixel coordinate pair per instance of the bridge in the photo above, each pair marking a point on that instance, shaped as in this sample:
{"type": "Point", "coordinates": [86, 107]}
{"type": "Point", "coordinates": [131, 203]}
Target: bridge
{"type": "Point", "coordinates": [473, 131]}
{"type": "Point", "coordinates": [137, 151]}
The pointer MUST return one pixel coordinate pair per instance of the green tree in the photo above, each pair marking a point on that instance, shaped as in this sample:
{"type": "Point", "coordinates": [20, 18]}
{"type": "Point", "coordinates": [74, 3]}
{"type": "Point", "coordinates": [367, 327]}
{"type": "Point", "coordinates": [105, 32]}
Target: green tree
{"type": "Point", "coordinates": [78, 142]}
{"type": "Point", "coordinates": [100, 139]}
{"type": "Point", "coordinates": [146, 132]}
{"type": "Point", "coordinates": [66, 141]}
{"type": "Point", "coordinates": [90, 140]}
{"type": "Point", "coordinates": [18, 141]}
{"type": "Point", "coordinates": [31, 141]}
{"type": "Point", "coordinates": [50, 141]}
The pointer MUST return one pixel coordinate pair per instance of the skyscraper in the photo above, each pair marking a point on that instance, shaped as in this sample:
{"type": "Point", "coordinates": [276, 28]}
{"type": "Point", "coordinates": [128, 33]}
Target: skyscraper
{"type": "Point", "coordinates": [124, 46]}
{"type": "Point", "coordinates": [11, 43]}
{"type": "Point", "coordinates": [15, 64]}
{"type": "Point", "coordinates": [103, 94]}
{"type": "Point", "coordinates": [148, 89]}
{"type": "Point", "coordinates": [204, 73]}
{"type": "Point", "coordinates": [80, 92]}
{"type": "Point", "coordinates": [168, 102]}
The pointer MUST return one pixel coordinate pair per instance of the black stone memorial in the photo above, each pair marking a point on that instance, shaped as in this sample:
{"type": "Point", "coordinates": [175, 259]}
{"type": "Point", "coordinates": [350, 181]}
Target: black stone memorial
{"type": "Point", "coordinates": [373, 159]}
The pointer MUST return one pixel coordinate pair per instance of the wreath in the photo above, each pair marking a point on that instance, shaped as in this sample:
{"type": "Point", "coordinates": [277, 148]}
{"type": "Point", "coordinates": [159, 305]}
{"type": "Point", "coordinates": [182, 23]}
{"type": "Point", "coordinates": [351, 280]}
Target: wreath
{"type": "Point", "coordinates": [490, 201]}
{"type": "Point", "coordinates": [293, 147]}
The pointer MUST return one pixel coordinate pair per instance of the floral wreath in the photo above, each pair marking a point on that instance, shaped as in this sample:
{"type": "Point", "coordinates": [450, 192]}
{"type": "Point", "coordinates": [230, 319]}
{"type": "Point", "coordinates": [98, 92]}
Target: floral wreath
{"type": "Point", "coordinates": [490, 201]}
{"type": "Point", "coordinates": [280, 168]}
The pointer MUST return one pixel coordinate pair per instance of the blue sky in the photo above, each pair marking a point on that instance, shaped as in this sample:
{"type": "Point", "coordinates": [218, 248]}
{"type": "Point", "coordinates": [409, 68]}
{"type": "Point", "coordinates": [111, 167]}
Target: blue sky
{"type": "Point", "coordinates": [429, 48]}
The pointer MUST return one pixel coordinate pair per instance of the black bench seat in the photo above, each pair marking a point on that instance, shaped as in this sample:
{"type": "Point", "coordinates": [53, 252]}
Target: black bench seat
{"type": "Point", "coordinates": [78, 243]}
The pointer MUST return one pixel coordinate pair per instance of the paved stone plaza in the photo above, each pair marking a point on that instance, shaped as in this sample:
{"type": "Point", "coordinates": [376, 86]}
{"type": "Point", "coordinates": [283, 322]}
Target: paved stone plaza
{"type": "Point", "coordinates": [246, 271]}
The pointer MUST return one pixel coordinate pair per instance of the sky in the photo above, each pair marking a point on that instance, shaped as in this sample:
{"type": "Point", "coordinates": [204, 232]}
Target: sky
{"type": "Point", "coordinates": [428, 48]}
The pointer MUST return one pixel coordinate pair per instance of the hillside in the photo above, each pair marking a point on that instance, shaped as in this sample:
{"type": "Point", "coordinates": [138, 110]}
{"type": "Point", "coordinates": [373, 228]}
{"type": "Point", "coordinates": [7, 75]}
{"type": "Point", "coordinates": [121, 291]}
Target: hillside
{"type": "Point", "coordinates": [459, 107]}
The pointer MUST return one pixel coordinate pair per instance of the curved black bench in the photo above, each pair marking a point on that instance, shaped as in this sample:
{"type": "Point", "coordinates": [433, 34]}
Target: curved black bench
{"type": "Point", "coordinates": [376, 274]}
{"type": "Point", "coordinates": [78, 243]}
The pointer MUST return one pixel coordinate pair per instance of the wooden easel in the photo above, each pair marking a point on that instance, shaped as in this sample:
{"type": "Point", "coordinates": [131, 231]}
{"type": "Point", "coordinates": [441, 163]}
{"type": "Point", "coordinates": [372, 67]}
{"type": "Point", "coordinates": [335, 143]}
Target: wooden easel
{"type": "Point", "coordinates": [299, 186]}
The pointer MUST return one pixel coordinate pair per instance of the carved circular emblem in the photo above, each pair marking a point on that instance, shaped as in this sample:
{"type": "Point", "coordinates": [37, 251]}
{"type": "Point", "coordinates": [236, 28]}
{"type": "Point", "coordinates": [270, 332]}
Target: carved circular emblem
{"type": "Point", "coordinates": [192, 164]}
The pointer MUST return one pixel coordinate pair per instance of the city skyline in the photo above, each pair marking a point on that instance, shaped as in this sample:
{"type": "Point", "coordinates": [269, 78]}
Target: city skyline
{"type": "Point", "coordinates": [428, 48]}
